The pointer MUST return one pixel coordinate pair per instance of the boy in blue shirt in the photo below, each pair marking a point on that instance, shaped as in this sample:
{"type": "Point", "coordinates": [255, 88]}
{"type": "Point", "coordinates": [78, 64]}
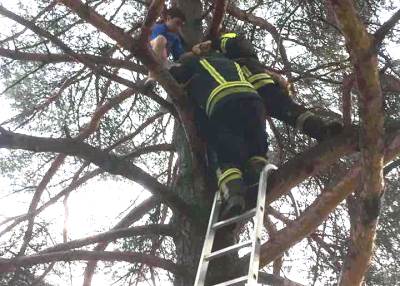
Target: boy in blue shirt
{"type": "Point", "coordinates": [165, 39]}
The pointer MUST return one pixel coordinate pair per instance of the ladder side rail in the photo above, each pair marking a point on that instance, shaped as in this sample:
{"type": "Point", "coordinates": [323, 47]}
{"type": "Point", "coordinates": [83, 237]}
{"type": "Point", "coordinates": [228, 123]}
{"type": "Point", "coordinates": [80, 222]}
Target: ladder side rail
{"type": "Point", "coordinates": [208, 243]}
{"type": "Point", "coordinates": [254, 262]}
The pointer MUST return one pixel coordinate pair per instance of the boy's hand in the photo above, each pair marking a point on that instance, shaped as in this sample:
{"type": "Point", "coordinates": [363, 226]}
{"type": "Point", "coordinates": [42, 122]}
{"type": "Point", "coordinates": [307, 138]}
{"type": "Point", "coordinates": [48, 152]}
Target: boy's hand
{"type": "Point", "coordinates": [202, 48]}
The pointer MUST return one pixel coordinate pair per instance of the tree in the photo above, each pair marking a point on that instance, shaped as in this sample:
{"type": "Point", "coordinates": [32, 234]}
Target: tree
{"type": "Point", "coordinates": [71, 68]}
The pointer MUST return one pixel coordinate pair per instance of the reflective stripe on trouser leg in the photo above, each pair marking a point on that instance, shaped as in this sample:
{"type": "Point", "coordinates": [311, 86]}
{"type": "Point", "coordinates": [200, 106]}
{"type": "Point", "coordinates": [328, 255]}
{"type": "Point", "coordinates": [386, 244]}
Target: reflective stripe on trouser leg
{"type": "Point", "coordinates": [227, 176]}
{"type": "Point", "coordinates": [258, 160]}
{"type": "Point", "coordinates": [302, 118]}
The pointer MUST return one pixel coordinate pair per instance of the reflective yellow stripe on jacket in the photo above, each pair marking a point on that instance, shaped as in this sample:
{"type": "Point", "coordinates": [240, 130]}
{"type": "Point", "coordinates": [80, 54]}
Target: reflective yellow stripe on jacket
{"type": "Point", "coordinates": [257, 80]}
{"type": "Point", "coordinates": [225, 87]}
{"type": "Point", "coordinates": [261, 79]}
{"type": "Point", "coordinates": [224, 39]}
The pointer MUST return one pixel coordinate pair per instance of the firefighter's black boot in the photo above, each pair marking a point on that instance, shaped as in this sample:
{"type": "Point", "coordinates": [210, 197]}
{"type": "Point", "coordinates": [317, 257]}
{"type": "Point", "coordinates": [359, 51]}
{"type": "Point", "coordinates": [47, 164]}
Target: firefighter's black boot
{"type": "Point", "coordinates": [252, 171]}
{"type": "Point", "coordinates": [316, 127]}
{"type": "Point", "coordinates": [233, 189]}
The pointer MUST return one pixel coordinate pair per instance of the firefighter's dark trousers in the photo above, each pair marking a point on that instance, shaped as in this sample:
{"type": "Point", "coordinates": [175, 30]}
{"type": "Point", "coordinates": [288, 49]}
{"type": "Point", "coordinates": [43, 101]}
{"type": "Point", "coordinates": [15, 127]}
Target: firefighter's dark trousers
{"type": "Point", "coordinates": [279, 105]}
{"type": "Point", "coordinates": [238, 132]}
{"type": "Point", "coordinates": [282, 107]}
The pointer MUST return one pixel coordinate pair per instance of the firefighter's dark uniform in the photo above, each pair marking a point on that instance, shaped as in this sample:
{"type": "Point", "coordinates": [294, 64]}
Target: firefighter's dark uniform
{"type": "Point", "coordinates": [276, 99]}
{"type": "Point", "coordinates": [278, 103]}
{"type": "Point", "coordinates": [235, 118]}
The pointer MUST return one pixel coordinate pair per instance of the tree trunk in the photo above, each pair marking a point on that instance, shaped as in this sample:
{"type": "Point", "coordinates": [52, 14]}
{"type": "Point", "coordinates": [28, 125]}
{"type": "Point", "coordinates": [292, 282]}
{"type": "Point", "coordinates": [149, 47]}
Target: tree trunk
{"type": "Point", "coordinates": [195, 189]}
{"type": "Point", "coordinates": [192, 189]}
{"type": "Point", "coordinates": [199, 192]}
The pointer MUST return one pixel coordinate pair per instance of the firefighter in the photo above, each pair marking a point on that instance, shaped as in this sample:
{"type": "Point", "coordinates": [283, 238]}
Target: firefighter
{"type": "Point", "coordinates": [275, 96]}
{"type": "Point", "coordinates": [234, 124]}
{"type": "Point", "coordinates": [276, 99]}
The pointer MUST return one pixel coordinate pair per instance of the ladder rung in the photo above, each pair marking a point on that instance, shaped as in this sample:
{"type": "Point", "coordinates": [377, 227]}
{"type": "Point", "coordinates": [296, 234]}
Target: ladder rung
{"type": "Point", "coordinates": [227, 250]}
{"type": "Point", "coordinates": [236, 281]}
{"type": "Point", "coordinates": [235, 219]}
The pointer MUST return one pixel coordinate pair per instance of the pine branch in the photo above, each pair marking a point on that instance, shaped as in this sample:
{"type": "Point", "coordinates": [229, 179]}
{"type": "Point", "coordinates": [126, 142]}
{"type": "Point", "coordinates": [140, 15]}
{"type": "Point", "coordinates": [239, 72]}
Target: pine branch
{"type": "Point", "coordinates": [74, 255]}
{"type": "Point", "coordinates": [36, 198]}
{"type": "Point", "coordinates": [134, 215]}
{"type": "Point", "coordinates": [264, 24]}
{"type": "Point", "coordinates": [316, 213]}
{"type": "Point", "coordinates": [270, 279]}
{"type": "Point", "coordinates": [152, 229]}
{"type": "Point", "coordinates": [108, 162]}
{"type": "Point", "coordinates": [70, 188]}
{"type": "Point", "coordinates": [217, 19]}
{"type": "Point", "coordinates": [165, 147]}
{"type": "Point", "coordinates": [383, 30]}
{"type": "Point", "coordinates": [310, 162]}
{"type": "Point", "coordinates": [60, 58]}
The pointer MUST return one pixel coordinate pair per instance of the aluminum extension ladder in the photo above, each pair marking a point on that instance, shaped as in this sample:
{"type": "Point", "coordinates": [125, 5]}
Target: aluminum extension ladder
{"type": "Point", "coordinates": [213, 225]}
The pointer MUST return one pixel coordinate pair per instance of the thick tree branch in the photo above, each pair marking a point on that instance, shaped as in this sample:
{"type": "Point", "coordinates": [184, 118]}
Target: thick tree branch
{"type": "Point", "coordinates": [383, 30]}
{"type": "Point", "coordinates": [152, 229]}
{"type": "Point", "coordinates": [142, 48]}
{"type": "Point", "coordinates": [109, 162]}
{"type": "Point", "coordinates": [310, 162]}
{"type": "Point", "coordinates": [315, 214]}
{"type": "Point", "coordinates": [132, 257]}
{"type": "Point", "coordinates": [60, 58]}
{"type": "Point", "coordinates": [218, 16]}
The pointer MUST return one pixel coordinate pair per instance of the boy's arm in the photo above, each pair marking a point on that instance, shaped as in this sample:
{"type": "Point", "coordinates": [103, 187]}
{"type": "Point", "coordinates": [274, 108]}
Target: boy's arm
{"type": "Point", "coordinates": [158, 29]}
{"type": "Point", "coordinates": [177, 49]}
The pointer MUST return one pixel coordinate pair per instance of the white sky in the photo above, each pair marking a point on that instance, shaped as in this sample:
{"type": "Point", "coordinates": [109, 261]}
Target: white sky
{"type": "Point", "coordinates": [95, 207]}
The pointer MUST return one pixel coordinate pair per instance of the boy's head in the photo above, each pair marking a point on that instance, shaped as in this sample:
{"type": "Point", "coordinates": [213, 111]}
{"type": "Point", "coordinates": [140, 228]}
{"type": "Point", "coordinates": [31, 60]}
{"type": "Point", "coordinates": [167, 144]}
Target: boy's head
{"type": "Point", "coordinates": [175, 19]}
